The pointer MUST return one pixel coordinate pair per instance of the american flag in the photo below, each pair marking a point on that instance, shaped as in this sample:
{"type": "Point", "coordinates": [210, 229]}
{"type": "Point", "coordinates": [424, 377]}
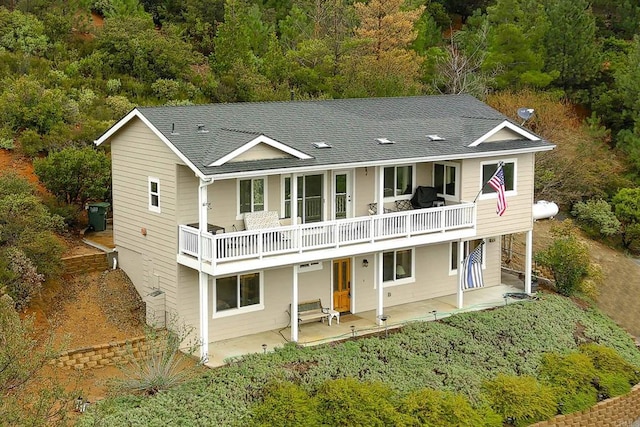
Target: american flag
{"type": "Point", "coordinates": [497, 183]}
{"type": "Point", "coordinates": [473, 270]}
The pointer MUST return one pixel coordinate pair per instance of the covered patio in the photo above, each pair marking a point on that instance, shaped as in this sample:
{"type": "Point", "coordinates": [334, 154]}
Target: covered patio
{"type": "Point", "coordinates": [365, 323]}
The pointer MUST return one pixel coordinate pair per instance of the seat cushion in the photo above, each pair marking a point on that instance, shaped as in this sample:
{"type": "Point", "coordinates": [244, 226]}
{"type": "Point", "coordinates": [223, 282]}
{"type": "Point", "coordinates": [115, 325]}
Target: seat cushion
{"type": "Point", "coordinates": [403, 205]}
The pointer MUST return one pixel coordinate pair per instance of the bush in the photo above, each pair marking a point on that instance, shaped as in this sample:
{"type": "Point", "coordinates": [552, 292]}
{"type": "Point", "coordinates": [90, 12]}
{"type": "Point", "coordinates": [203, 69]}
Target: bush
{"type": "Point", "coordinates": [285, 404]}
{"type": "Point", "coordinates": [521, 400]}
{"type": "Point", "coordinates": [596, 218]}
{"type": "Point", "coordinates": [437, 408]}
{"type": "Point", "coordinates": [573, 375]}
{"type": "Point", "coordinates": [568, 258]}
{"type": "Point", "coordinates": [348, 402]}
{"type": "Point", "coordinates": [21, 277]}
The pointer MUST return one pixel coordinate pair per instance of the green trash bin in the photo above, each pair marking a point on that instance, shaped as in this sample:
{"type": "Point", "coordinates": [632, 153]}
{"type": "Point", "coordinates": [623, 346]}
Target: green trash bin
{"type": "Point", "coordinates": [98, 216]}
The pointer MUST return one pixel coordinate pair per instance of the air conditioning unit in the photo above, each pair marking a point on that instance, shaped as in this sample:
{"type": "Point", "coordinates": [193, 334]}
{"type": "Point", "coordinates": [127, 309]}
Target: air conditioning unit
{"type": "Point", "coordinates": [156, 309]}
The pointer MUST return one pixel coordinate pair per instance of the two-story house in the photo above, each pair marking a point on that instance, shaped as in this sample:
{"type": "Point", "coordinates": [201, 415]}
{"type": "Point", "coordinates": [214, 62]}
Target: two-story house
{"type": "Point", "coordinates": [236, 212]}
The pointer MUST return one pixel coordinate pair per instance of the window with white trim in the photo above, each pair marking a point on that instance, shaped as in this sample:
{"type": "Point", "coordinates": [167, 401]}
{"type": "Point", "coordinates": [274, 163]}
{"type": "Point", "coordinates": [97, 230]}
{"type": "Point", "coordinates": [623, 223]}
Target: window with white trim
{"type": "Point", "coordinates": [251, 195]}
{"type": "Point", "coordinates": [238, 293]}
{"type": "Point", "coordinates": [397, 267]}
{"type": "Point", "coordinates": [398, 182]}
{"type": "Point", "coordinates": [468, 247]}
{"type": "Point", "coordinates": [445, 179]}
{"type": "Point", "coordinates": [154, 194]}
{"type": "Point", "coordinates": [509, 170]}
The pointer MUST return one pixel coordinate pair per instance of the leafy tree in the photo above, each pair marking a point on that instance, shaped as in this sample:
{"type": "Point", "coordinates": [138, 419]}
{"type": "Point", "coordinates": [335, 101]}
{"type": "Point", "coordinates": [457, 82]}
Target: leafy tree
{"type": "Point", "coordinates": [516, 44]}
{"type": "Point", "coordinates": [20, 32]}
{"type": "Point", "coordinates": [571, 44]}
{"type": "Point", "coordinates": [75, 175]}
{"type": "Point", "coordinates": [384, 64]}
{"type": "Point", "coordinates": [596, 217]}
{"type": "Point", "coordinates": [568, 259]}
{"type": "Point", "coordinates": [626, 205]}
{"type": "Point", "coordinates": [26, 104]}
{"type": "Point", "coordinates": [22, 358]}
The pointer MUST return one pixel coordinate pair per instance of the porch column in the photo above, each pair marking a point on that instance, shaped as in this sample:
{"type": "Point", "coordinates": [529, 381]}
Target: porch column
{"type": "Point", "coordinates": [379, 283]}
{"type": "Point", "coordinates": [294, 199]}
{"type": "Point", "coordinates": [203, 278]}
{"type": "Point", "coordinates": [203, 295]}
{"type": "Point", "coordinates": [294, 305]}
{"type": "Point", "coordinates": [527, 261]}
{"type": "Point", "coordinates": [460, 259]}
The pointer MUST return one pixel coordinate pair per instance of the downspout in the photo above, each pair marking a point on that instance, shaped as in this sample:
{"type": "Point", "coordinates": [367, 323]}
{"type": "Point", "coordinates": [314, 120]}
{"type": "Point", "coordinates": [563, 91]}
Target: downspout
{"type": "Point", "coordinates": [203, 278]}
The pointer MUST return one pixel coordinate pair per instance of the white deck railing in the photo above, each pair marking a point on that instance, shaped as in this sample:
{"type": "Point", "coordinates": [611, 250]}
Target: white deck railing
{"type": "Point", "coordinates": [322, 235]}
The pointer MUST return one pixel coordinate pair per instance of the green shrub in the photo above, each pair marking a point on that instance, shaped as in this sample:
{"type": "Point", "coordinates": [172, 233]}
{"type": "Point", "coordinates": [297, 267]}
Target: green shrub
{"type": "Point", "coordinates": [568, 258]}
{"type": "Point", "coordinates": [611, 385]}
{"type": "Point", "coordinates": [437, 408]}
{"type": "Point", "coordinates": [520, 400]}
{"type": "Point", "coordinates": [574, 376]}
{"type": "Point", "coordinates": [348, 402]}
{"type": "Point", "coordinates": [596, 218]}
{"type": "Point", "coordinates": [607, 360]}
{"type": "Point", "coordinates": [31, 142]}
{"type": "Point", "coordinates": [576, 402]}
{"type": "Point", "coordinates": [285, 405]}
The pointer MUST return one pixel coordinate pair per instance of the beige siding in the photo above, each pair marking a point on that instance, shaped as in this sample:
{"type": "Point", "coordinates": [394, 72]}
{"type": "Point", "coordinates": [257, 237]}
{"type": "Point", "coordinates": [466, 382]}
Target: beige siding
{"type": "Point", "coordinates": [137, 154]}
{"type": "Point", "coordinates": [504, 134]}
{"type": "Point", "coordinates": [187, 196]}
{"type": "Point", "coordinates": [365, 189]}
{"type": "Point", "coordinates": [261, 151]}
{"type": "Point", "coordinates": [518, 216]}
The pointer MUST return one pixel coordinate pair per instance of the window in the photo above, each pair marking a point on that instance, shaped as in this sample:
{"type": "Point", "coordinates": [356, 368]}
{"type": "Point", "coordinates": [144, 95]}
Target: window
{"type": "Point", "coordinates": [468, 247]}
{"type": "Point", "coordinates": [398, 181]}
{"type": "Point", "coordinates": [397, 267]}
{"type": "Point", "coordinates": [509, 169]}
{"type": "Point", "coordinates": [154, 194]}
{"type": "Point", "coordinates": [251, 195]}
{"type": "Point", "coordinates": [238, 292]}
{"type": "Point", "coordinates": [310, 195]}
{"type": "Point", "coordinates": [445, 179]}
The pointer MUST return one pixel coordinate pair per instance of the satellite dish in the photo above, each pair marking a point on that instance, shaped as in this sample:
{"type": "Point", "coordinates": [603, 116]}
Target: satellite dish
{"type": "Point", "coordinates": [525, 114]}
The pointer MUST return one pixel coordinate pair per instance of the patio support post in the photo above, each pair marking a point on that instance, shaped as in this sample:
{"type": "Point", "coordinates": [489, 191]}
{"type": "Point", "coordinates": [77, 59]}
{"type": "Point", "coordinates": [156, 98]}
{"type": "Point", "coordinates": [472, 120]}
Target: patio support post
{"type": "Point", "coordinates": [380, 189]}
{"type": "Point", "coordinates": [203, 278]}
{"type": "Point", "coordinates": [527, 261]}
{"type": "Point", "coordinates": [380, 307]}
{"type": "Point", "coordinates": [460, 292]}
{"type": "Point", "coordinates": [294, 305]}
{"type": "Point", "coordinates": [294, 199]}
{"type": "Point", "coordinates": [203, 282]}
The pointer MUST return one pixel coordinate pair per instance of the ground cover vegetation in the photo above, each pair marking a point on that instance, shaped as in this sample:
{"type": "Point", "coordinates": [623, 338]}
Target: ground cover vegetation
{"type": "Point", "coordinates": [520, 363]}
{"type": "Point", "coordinates": [70, 69]}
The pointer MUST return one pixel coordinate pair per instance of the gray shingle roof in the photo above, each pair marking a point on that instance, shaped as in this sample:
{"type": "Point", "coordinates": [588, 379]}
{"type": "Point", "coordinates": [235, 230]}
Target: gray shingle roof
{"type": "Point", "coordinates": [349, 125]}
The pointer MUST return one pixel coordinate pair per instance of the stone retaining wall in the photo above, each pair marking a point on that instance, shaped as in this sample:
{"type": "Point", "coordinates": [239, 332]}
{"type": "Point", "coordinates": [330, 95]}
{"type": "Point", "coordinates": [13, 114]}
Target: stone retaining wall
{"type": "Point", "coordinates": [79, 264]}
{"type": "Point", "coordinates": [618, 411]}
{"type": "Point", "coordinates": [103, 354]}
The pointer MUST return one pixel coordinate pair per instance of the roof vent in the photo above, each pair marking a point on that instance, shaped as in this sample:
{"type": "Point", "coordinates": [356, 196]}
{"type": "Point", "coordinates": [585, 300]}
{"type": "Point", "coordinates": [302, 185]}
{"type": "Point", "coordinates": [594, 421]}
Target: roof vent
{"type": "Point", "coordinates": [173, 129]}
{"type": "Point", "coordinates": [435, 138]}
{"type": "Point", "coordinates": [384, 141]}
{"type": "Point", "coordinates": [321, 145]}
{"type": "Point", "coordinates": [201, 128]}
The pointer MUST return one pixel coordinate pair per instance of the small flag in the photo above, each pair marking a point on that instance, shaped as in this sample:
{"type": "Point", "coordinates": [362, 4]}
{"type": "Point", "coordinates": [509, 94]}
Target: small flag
{"type": "Point", "coordinates": [497, 183]}
{"type": "Point", "coordinates": [472, 272]}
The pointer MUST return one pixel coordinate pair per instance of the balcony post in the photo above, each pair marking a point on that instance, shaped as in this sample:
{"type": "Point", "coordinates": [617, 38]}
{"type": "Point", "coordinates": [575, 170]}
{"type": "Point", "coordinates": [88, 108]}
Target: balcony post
{"type": "Point", "coordinates": [294, 305]}
{"type": "Point", "coordinates": [379, 282]}
{"type": "Point", "coordinates": [527, 261]}
{"type": "Point", "coordinates": [459, 292]}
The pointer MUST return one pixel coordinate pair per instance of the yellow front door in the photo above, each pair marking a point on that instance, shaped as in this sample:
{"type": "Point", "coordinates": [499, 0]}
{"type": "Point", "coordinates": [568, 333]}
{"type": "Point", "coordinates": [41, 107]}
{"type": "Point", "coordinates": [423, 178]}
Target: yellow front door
{"type": "Point", "coordinates": [342, 285]}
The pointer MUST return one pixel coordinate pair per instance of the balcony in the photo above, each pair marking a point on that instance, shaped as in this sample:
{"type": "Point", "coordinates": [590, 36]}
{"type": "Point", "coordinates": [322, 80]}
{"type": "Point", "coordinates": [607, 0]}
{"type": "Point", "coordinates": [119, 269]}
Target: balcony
{"type": "Point", "coordinates": [231, 252]}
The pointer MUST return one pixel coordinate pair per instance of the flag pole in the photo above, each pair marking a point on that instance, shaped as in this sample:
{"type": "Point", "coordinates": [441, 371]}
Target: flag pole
{"type": "Point", "coordinates": [500, 165]}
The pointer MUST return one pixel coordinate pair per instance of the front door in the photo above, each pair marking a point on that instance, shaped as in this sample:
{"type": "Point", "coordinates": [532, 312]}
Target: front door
{"type": "Point", "coordinates": [342, 285]}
